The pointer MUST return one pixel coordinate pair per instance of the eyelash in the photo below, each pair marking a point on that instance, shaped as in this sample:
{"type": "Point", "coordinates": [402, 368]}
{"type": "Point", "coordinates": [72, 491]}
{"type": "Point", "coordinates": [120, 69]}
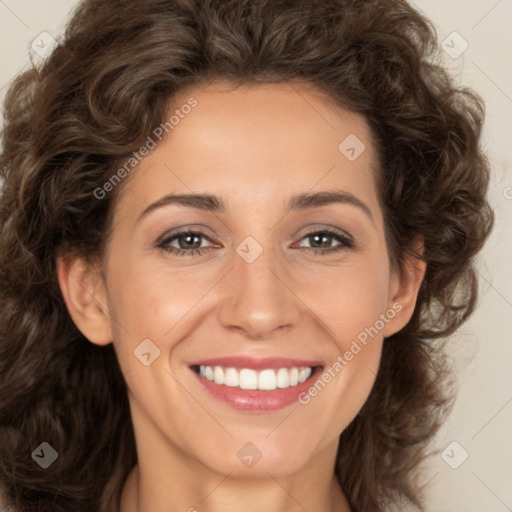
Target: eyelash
{"type": "Point", "coordinates": [346, 243]}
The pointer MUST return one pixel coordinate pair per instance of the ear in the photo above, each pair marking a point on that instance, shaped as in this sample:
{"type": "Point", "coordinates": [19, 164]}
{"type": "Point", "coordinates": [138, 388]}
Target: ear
{"type": "Point", "coordinates": [84, 292]}
{"type": "Point", "coordinates": [404, 287]}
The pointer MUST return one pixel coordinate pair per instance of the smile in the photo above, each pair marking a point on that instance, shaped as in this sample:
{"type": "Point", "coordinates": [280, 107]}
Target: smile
{"type": "Point", "coordinates": [256, 384]}
{"type": "Point", "coordinates": [247, 378]}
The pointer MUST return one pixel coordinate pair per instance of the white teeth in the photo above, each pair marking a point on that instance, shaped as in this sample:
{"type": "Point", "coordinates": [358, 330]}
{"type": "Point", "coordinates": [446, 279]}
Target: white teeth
{"type": "Point", "coordinates": [267, 380]}
{"type": "Point", "coordinates": [246, 378]}
{"type": "Point", "coordinates": [231, 378]}
{"type": "Point", "coordinates": [304, 374]}
{"type": "Point", "coordinates": [283, 378]}
{"type": "Point", "coordinates": [218, 375]}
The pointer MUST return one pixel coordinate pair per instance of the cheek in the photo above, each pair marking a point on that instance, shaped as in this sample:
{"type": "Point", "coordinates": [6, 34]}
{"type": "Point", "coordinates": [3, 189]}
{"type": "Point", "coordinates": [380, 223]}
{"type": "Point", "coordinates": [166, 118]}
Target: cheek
{"type": "Point", "coordinates": [349, 299]}
{"type": "Point", "coordinates": [357, 318]}
{"type": "Point", "coordinates": [152, 299]}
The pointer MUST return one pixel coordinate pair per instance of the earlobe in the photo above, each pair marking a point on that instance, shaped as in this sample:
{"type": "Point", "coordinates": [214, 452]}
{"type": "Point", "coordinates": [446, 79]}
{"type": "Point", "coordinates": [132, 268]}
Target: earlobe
{"type": "Point", "coordinates": [84, 293]}
{"type": "Point", "coordinates": [405, 286]}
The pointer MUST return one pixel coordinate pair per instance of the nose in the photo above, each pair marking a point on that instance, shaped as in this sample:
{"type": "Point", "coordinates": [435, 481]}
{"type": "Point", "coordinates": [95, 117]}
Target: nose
{"type": "Point", "coordinates": [259, 300]}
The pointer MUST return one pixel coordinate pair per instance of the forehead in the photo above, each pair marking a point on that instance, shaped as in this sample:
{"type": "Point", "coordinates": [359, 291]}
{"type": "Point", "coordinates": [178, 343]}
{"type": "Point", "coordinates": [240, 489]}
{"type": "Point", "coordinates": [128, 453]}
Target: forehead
{"type": "Point", "coordinates": [271, 140]}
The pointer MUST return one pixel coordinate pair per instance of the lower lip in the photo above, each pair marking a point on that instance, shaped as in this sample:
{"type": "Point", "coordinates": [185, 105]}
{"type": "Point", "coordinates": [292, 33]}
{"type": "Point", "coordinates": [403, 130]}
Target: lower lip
{"type": "Point", "coordinates": [256, 400]}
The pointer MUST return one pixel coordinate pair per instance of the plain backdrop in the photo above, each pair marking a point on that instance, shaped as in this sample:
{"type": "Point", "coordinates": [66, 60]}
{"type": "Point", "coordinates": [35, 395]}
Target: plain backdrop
{"type": "Point", "coordinates": [473, 470]}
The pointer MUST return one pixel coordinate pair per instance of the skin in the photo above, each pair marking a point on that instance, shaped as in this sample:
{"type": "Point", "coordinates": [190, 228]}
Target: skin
{"type": "Point", "coordinates": [255, 147]}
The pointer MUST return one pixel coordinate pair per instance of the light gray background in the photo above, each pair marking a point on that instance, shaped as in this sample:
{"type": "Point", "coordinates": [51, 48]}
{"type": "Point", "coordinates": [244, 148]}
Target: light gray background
{"type": "Point", "coordinates": [482, 350]}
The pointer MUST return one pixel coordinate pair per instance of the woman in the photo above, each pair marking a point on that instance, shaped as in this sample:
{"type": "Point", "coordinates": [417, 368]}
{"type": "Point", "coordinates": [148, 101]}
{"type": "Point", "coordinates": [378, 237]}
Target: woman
{"type": "Point", "coordinates": [328, 177]}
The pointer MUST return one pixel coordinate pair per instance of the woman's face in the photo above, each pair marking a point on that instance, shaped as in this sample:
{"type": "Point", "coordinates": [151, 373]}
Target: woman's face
{"type": "Point", "coordinates": [285, 279]}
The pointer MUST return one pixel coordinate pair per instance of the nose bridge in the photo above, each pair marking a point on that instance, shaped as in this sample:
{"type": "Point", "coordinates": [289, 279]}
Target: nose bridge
{"type": "Point", "coordinates": [257, 299]}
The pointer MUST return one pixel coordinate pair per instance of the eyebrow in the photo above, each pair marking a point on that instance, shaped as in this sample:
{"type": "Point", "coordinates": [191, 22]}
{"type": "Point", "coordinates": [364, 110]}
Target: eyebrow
{"type": "Point", "coordinates": [211, 203]}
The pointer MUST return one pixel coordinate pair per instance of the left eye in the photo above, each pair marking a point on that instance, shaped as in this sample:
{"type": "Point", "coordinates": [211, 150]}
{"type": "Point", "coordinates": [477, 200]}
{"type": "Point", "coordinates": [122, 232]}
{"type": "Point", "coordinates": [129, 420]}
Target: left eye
{"type": "Point", "coordinates": [190, 243]}
{"type": "Point", "coordinates": [318, 236]}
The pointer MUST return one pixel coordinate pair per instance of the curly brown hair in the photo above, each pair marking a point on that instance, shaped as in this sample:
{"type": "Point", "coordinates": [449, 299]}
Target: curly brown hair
{"type": "Point", "coordinates": [70, 122]}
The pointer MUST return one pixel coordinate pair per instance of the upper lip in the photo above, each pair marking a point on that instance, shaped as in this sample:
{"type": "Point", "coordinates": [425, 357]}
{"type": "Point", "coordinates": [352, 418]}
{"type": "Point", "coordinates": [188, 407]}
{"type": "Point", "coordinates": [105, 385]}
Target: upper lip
{"type": "Point", "coordinates": [256, 363]}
